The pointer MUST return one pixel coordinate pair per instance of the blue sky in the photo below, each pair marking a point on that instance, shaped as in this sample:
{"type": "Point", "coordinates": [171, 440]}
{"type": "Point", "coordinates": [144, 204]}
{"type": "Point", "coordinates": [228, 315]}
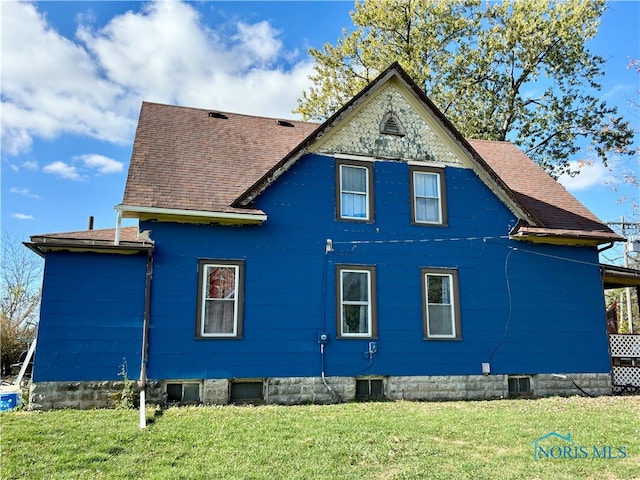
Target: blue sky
{"type": "Point", "coordinates": [74, 74]}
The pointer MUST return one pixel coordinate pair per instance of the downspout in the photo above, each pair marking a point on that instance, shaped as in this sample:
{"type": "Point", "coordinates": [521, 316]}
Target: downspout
{"type": "Point", "coordinates": [116, 240]}
{"type": "Point", "coordinates": [145, 340]}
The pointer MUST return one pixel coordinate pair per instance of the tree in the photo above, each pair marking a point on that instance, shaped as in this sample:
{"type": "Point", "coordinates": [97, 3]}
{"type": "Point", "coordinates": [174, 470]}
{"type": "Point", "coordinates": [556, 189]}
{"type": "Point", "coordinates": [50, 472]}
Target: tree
{"type": "Point", "coordinates": [21, 276]}
{"type": "Point", "coordinates": [515, 70]}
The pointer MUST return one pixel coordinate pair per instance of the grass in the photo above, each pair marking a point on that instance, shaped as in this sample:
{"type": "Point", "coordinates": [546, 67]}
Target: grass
{"type": "Point", "coordinates": [384, 440]}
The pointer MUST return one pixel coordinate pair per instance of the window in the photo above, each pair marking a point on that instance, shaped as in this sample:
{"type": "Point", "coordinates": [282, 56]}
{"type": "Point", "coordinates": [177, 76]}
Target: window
{"type": "Point", "coordinates": [427, 187]}
{"type": "Point", "coordinates": [220, 292]}
{"type": "Point", "coordinates": [356, 302]}
{"type": "Point", "coordinates": [441, 305]}
{"type": "Point", "coordinates": [520, 386]}
{"type": "Point", "coordinates": [184, 393]}
{"type": "Point", "coordinates": [369, 388]}
{"type": "Point", "coordinates": [354, 192]}
{"type": "Point", "coordinates": [246, 392]}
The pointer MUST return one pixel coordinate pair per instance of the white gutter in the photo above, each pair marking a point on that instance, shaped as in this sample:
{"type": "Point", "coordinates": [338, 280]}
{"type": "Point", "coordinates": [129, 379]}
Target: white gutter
{"type": "Point", "coordinates": [253, 217]}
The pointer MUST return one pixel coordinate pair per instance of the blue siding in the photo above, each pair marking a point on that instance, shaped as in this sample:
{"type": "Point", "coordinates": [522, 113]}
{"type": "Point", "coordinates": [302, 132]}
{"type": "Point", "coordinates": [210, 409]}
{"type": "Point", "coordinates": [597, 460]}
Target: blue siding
{"type": "Point", "coordinates": [90, 317]}
{"type": "Point", "coordinates": [525, 308]}
{"type": "Point", "coordinates": [524, 312]}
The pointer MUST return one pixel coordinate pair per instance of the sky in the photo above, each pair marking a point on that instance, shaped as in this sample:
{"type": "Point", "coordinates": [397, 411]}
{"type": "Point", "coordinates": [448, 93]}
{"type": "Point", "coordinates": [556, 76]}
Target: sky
{"type": "Point", "coordinates": [74, 75]}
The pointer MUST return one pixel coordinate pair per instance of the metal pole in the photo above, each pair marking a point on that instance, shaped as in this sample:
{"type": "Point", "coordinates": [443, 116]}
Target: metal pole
{"type": "Point", "coordinates": [628, 289]}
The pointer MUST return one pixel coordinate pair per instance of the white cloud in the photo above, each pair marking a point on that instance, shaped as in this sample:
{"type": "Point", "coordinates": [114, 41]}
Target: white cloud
{"type": "Point", "coordinates": [592, 174]}
{"type": "Point", "coordinates": [25, 192]}
{"type": "Point", "coordinates": [63, 170]}
{"type": "Point", "coordinates": [51, 85]}
{"type": "Point", "coordinates": [93, 85]}
{"type": "Point", "coordinates": [22, 216]}
{"type": "Point", "coordinates": [31, 165]}
{"type": "Point", "coordinates": [101, 163]}
{"type": "Point", "coordinates": [258, 43]}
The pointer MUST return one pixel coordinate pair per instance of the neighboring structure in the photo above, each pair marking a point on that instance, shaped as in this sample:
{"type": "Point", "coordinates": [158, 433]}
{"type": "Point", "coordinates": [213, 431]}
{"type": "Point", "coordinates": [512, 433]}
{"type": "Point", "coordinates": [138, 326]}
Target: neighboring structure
{"type": "Point", "coordinates": [377, 254]}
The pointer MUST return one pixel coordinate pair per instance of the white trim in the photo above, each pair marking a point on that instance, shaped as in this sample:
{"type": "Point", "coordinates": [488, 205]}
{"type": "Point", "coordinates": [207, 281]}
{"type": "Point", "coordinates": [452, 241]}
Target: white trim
{"type": "Point", "coordinates": [452, 305]}
{"type": "Point", "coordinates": [205, 298]}
{"type": "Point", "coordinates": [367, 303]}
{"type": "Point", "coordinates": [416, 196]}
{"type": "Point", "coordinates": [346, 156]}
{"type": "Point", "coordinates": [366, 194]}
{"type": "Point", "coordinates": [257, 217]}
{"type": "Point", "coordinates": [429, 163]}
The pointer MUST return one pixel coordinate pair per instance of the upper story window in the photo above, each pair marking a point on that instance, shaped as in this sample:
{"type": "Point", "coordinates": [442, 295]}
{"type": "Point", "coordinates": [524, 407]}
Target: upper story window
{"type": "Point", "coordinates": [428, 205]}
{"type": "Point", "coordinates": [356, 302]}
{"type": "Point", "coordinates": [220, 295]}
{"type": "Point", "coordinates": [354, 190]}
{"type": "Point", "coordinates": [441, 305]}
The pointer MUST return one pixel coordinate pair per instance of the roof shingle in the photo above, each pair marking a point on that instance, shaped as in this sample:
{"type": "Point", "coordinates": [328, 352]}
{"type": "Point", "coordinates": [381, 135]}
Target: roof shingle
{"type": "Point", "coordinates": [185, 158]}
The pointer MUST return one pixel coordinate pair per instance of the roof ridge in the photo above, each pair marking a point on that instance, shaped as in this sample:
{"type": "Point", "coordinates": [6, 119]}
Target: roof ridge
{"type": "Point", "coordinates": [236, 114]}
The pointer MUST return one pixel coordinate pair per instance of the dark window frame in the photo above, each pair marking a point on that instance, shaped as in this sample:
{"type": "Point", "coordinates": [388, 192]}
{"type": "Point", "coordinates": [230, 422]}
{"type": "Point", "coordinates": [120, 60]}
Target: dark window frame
{"type": "Point", "coordinates": [238, 317]}
{"type": "Point", "coordinates": [519, 391]}
{"type": "Point", "coordinates": [246, 385]}
{"type": "Point", "coordinates": [457, 318]}
{"type": "Point", "coordinates": [182, 384]}
{"type": "Point", "coordinates": [373, 334]}
{"type": "Point", "coordinates": [340, 162]}
{"type": "Point", "coordinates": [442, 186]}
{"type": "Point", "coordinates": [370, 395]}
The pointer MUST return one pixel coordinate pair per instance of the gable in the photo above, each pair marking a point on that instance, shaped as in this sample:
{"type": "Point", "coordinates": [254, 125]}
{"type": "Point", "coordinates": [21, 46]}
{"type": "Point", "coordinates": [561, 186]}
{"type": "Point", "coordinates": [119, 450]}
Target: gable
{"type": "Point", "coordinates": [197, 166]}
{"type": "Point", "coordinates": [360, 133]}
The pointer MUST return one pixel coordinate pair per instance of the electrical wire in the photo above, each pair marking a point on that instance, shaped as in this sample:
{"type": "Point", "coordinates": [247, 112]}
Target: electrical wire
{"type": "Point", "coordinates": [417, 240]}
{"type": "Point", "coordinates": [510, 309]}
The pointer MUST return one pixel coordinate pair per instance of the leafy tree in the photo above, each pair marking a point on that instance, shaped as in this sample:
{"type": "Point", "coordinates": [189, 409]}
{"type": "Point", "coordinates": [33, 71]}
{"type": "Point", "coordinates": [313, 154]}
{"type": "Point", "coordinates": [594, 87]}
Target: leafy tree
{"type": "Point", "coordinates": [513, 70]}
{"type": "Point", "coordinates": [21, 278]}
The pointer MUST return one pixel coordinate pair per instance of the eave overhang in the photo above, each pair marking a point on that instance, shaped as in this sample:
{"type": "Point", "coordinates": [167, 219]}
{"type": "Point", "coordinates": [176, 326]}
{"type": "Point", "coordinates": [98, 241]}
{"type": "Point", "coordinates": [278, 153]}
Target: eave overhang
{"type": "Point", "coordinates": [563, 237]}
{"type": "Point", "coordinates": [42, 245]}
{"type": "Point", "coordinates": [255, 217]}
{"type": "Point", "coordinates": [619, 277]}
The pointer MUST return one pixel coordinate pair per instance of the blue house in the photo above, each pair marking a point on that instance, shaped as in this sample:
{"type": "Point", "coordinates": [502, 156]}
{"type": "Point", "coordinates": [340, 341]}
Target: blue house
{"type": "Point", "coordinates": [378, 254]}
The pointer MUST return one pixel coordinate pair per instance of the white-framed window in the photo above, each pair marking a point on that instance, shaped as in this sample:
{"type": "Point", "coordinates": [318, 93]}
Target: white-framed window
{"type": "Point", "coordinates": [220, 296]}
{"type": "Point", "coordinates": [441, 310]}
{"type": "Point", "coordinates": [428, 204]}
{"type": "Point", "coordinates": [356, 302]}
{"type": "Point", "coordinates": [354, 196]}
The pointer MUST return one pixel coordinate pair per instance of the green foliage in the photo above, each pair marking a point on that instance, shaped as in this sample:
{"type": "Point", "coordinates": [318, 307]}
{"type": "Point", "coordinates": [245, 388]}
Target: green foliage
{"type": "Point", "coordinates": [125, 398]}
{"type": "Point", "coordinates": [392, 440]}
{"type": "Point", "coordinates": [513, 70]}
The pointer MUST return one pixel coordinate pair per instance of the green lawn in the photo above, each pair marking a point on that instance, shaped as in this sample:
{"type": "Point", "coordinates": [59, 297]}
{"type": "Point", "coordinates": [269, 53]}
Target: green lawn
{"type": "Point", "coordinates": [384, 440]}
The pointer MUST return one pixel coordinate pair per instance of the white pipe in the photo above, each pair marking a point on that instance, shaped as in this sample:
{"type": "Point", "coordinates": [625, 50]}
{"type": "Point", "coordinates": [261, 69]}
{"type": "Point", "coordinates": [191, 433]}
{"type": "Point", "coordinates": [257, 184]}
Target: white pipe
{"type": "Point", "coordinates": [331, 390]}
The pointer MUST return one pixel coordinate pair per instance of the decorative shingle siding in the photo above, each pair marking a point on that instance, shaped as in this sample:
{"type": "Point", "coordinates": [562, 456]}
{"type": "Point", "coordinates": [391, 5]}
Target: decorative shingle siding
{"type": "Point", "coordinates": [360, 135]}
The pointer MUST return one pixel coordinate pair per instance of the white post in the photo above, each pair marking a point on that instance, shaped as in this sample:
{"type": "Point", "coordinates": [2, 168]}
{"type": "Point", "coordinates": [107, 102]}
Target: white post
{"type": "Point", "coordinates": [143, 412]}
{"type": "Point", "coordinates": [116, 241]}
